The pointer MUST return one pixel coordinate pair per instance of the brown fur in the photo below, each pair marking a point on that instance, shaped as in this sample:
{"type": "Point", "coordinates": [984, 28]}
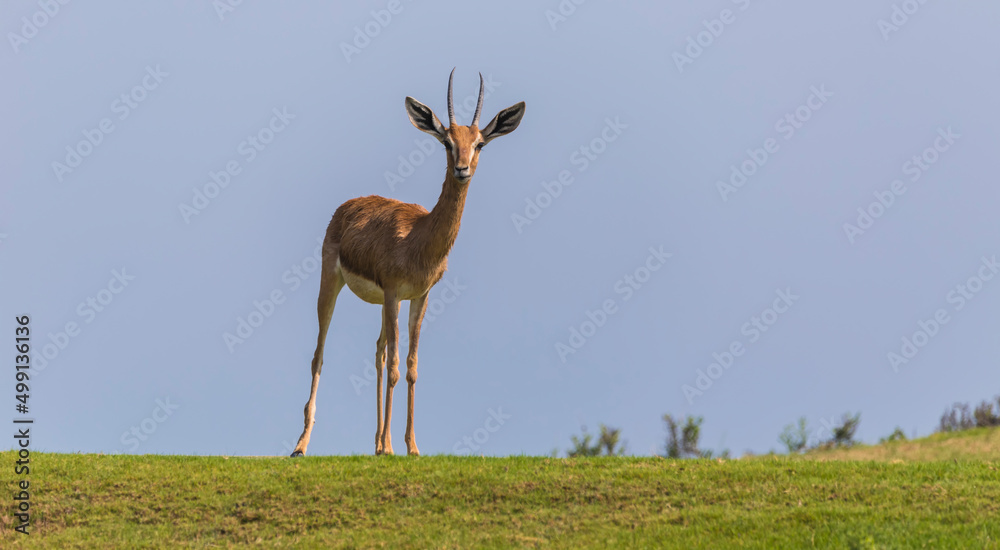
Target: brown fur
{"type": "Point", "coordinates": [387, 241]}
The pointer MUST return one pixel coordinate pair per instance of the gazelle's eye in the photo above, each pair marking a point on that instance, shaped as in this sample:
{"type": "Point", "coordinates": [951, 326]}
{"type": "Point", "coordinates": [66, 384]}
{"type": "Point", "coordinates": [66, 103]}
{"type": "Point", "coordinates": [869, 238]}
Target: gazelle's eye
{"type": "Point", "coordinates": [447, 145]}
{"type": "Point", "coordinates": [480, 145]}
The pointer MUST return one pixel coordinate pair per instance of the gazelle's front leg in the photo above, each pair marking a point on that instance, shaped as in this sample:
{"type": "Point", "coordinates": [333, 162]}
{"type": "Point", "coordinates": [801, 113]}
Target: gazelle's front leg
{"type": "Point", "coordinates": [390, 314]}
{"type": "Point", "coordinates": [417, 308]}
{"type": "Point", "coordinates": [379, 367]}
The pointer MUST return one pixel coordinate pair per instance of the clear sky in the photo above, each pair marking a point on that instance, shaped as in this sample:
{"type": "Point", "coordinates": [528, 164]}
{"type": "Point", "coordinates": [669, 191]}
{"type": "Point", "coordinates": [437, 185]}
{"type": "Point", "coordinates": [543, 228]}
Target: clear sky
{"type": "Point", "coordinates": [679, 187]}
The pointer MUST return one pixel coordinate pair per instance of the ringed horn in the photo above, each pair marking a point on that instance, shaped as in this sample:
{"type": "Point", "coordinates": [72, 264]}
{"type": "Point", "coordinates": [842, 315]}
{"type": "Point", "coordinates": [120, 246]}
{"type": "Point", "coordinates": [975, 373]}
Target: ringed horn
{"type": "Point", "coordinates": [451, 105]}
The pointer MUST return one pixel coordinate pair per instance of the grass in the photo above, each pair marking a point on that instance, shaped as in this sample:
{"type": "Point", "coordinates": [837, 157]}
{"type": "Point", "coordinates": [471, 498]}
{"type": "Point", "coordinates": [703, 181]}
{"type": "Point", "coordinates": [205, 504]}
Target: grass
{"type": "Point", "coordinates": [890, 499]}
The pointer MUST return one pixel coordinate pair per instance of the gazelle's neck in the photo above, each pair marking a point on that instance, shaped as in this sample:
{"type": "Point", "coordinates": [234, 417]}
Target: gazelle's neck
{"type": "Point", "coordinates": [446, 217]}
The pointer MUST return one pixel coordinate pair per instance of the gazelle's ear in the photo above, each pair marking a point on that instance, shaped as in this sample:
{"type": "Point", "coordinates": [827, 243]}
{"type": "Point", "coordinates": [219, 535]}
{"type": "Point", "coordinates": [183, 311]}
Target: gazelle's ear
{"type": "Point", "coordinates": [504, 123]}
{"type": "Point", "coordinates": [423, 118]}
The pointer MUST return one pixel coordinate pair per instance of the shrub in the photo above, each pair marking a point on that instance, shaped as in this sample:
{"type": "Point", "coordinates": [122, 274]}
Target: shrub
{"type": "Point", "coordinates": [607, 443]}
{"type": "Point", "coordinates": [843, 435]}
{"type": "Point", "coordinates": [795, 439]}
{"type": "Point", "coordinates": [957, 418]}
{"type": "Point", "coordinates": [985, 416]}
{"type": "Point", "coordinates": [682, 441]}
{"type": "Point", "coordinates": [896, 435]}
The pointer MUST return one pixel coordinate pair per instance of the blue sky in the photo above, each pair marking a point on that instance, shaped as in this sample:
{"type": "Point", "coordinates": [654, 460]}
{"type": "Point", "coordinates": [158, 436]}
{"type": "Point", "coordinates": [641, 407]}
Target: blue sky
{"type": "Point", "coordinates": [790, 193]}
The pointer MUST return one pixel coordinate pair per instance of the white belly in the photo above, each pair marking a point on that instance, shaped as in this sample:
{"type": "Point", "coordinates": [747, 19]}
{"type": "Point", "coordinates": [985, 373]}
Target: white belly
{"type": "Point", "coordinates": [370, 292]}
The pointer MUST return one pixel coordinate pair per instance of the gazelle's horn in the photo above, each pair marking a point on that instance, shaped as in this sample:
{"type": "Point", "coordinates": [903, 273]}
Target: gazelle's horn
{"type": "Point", "coordinates": [451, 106]}
{"type": "Point", "coordinates": [479, 106]}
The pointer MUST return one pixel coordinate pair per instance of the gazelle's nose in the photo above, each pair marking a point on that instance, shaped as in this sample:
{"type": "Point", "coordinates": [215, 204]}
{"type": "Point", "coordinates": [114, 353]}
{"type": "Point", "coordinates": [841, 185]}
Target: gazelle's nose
{"type": "Point", "coordinates": [461, 170]}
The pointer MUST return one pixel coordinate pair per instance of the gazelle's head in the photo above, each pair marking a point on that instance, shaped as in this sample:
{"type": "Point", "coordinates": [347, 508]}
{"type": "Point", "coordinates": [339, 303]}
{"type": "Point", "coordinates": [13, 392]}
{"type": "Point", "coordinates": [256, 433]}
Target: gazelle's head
{"type": "Point", "coordinates": [463, 143]}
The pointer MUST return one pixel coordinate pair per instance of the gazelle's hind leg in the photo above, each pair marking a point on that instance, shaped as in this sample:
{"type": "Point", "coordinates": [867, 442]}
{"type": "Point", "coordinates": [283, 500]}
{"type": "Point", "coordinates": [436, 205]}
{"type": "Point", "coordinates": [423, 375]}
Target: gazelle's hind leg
{"type": "Point", "coordinates": [331, 282]}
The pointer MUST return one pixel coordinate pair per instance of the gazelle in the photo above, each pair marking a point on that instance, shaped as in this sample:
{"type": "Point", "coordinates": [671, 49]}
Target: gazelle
{"type": "Point", "coordinates": [387, 251]}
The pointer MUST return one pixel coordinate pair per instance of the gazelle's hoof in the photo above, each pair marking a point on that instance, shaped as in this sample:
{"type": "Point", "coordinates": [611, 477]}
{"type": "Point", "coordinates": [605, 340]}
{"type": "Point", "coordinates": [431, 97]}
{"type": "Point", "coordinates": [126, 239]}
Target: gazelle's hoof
{"type": "Point", "coordinates": [297, 453]}
{"type": "Point", "coordinates": [414, 452]}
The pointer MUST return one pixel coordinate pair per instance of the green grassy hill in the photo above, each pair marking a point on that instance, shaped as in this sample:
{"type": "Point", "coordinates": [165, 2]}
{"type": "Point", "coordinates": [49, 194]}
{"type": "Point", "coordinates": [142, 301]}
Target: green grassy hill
{"type": "Point", "coordinates": [940, 492]}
